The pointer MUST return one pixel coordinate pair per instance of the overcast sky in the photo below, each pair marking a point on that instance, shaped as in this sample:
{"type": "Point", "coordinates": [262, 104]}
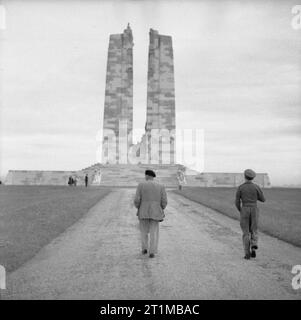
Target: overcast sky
{"type": "Point", "coordinates": [237, 76]}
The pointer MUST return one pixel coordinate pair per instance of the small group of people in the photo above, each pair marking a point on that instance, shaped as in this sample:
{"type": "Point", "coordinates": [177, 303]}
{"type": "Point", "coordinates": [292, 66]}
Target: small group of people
{"type": "Point", "coordinates": [151, 201]}
{"type": "Point", "coordinates": [72, 181]}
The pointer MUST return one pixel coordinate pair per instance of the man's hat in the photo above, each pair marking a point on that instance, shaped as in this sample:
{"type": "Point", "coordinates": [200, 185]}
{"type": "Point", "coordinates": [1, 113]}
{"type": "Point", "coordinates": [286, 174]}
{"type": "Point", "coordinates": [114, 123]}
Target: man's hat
{"type": "Point", "coordinates": [249, 173]}
{"type": "Point", "coordinates": [150, 173]}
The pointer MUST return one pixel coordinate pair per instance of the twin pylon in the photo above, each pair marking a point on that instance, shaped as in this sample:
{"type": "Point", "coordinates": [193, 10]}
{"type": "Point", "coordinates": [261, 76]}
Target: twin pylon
{"type": "Point", "coordinates": [118, 108]}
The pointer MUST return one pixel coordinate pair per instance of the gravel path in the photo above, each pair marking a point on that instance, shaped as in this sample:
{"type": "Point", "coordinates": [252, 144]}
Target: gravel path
{"type": "Point", "coordinates": [200, 257]}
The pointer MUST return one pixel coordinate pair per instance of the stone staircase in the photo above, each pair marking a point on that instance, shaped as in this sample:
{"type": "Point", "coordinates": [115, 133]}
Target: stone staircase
{"type": "Point", "coordinates": [130, 175]}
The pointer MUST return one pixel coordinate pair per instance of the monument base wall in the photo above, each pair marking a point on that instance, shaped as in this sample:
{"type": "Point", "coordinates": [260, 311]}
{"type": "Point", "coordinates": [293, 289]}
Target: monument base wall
{"type": "Point", "coordinates": [37, 177]}
{"type": "Point", "coordinates": [225, 180]}
{"type": "Point", "coordinates": [99, 175]}
{"type": "Point", "coordinates": [127, 175]}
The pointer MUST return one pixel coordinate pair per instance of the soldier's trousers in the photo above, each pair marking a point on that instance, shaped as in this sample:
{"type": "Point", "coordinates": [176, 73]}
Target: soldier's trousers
{"type": "Point", "coordinates": [249, 226]}
{"type": "Point", "coordinates": [149, 227]}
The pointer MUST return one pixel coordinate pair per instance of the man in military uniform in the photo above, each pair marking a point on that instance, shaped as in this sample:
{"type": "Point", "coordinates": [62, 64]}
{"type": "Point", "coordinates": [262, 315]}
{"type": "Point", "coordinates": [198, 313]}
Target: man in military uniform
{"type": "Point", "coordinates": [150, 200]}
{"type": "Point", "coordinates": [246, 202]}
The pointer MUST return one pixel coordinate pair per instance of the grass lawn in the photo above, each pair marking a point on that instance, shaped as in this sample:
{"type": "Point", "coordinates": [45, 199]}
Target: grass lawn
{"type": "Point", "coordinates": [31, 216]}
{"type": "Point", "coordinates": [280, 215]}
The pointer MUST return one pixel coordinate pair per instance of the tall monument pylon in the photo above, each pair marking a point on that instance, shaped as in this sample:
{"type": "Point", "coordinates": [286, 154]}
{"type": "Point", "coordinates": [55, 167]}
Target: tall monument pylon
{"type": "Point", "coordinates": [118, 107]}
{"type": "Point", "coordinates": [161, 113]}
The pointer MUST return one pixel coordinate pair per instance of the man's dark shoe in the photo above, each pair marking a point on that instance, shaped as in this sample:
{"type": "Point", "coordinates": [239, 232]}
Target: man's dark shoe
{"type": "Point", "coordinates": [144, 251]}
{"type": "Point", "coordinates": [253, 253]}
{"type": "Point", "coordinates": [152, 255]}
{"type": "Point", "coordinates": [247, 256]}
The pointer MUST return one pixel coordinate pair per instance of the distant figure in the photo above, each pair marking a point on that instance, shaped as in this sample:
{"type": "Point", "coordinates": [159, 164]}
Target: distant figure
{"type": "Point", "coordinates": [181, 179]}
{"type": "Point", "coordinates": [86, 180]}
{"type": "Point", "coordinates": [150, 200]}
{"type": "Point", "coordinates": [246, 203]}
{"type": "Point", "coordinates": [70, 181]}
{"type": "Point", "coordinates": [0, 182]}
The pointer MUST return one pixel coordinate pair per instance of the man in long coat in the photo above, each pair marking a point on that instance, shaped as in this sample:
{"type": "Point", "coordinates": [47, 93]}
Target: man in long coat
{"type": "Point", "coordinates": [150, 200]}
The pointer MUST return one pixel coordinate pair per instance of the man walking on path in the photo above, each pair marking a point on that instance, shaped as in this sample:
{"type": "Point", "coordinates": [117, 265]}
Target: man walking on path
{"type": "Point", "coordinates": [246, 202]}
{"type": "Point", "coordinates": [86, 180]}
{"type": "Point", "coordinates": [150, 200]}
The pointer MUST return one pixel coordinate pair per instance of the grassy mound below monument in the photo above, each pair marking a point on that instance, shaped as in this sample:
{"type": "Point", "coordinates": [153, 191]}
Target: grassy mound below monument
{"type": "Point", "coordinates": [280, 215]}
{"type": "Point", "coordinates": [31, 216]}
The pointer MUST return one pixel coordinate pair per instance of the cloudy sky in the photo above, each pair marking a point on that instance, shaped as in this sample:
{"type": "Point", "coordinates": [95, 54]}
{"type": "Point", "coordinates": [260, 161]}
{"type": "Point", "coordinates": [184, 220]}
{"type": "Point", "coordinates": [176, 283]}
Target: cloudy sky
{"type": "Point", "coordinates": [237, 77]}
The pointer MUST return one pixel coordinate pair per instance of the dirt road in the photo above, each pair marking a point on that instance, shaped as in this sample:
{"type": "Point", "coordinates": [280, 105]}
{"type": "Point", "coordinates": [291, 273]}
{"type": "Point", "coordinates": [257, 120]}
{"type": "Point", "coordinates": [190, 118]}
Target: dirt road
{"type": "Point", "coordinates": [200, 257]}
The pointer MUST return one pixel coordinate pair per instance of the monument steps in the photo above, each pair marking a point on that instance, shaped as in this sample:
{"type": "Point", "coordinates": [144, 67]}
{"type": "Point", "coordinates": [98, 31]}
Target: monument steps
{"type": "Point", "coordinates": [131, 175]}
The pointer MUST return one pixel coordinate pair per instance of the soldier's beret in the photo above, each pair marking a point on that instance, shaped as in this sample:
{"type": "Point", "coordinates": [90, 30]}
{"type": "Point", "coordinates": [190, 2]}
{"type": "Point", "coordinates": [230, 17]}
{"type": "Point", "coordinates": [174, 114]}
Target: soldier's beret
{"type": "Point", "coordinates": [249, 173]}
{"type": "Point", "coordinates": [150, 173]}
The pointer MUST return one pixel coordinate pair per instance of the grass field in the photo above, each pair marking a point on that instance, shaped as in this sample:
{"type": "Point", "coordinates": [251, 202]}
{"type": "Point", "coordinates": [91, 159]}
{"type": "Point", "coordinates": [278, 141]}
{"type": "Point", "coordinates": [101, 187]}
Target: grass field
{"type": "Point", "coordinates": [280, 215]}
{"type": "Point", "coordinates": [31, 216]}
